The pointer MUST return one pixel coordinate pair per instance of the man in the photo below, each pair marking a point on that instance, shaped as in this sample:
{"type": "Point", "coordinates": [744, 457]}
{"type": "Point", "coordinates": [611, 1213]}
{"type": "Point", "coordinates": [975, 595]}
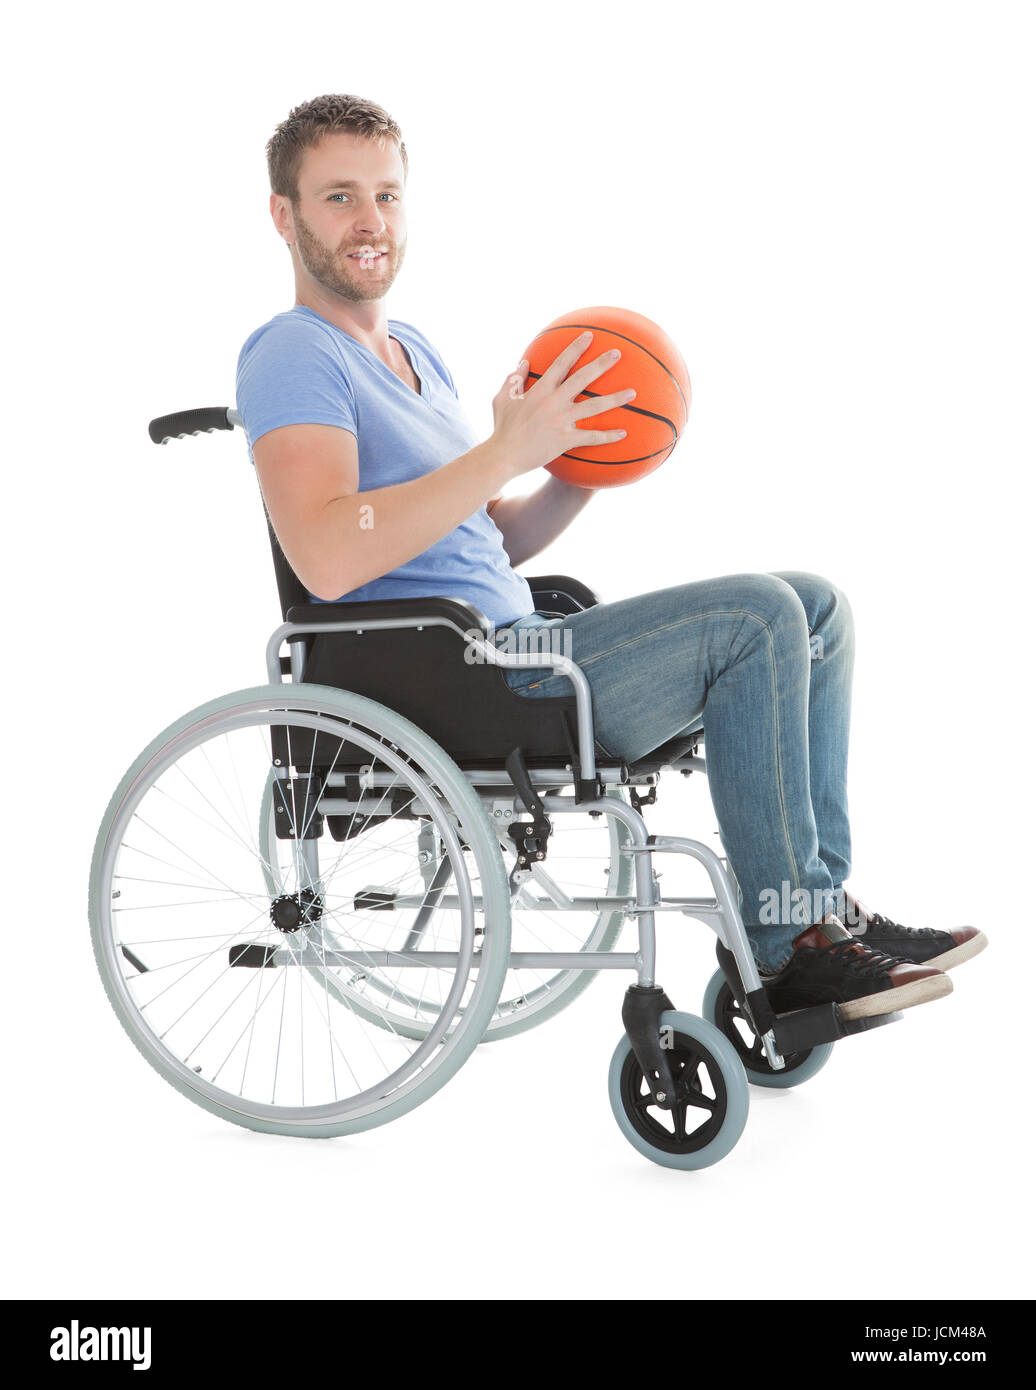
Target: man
{"type": "Point", "coordinates": [376, 488]}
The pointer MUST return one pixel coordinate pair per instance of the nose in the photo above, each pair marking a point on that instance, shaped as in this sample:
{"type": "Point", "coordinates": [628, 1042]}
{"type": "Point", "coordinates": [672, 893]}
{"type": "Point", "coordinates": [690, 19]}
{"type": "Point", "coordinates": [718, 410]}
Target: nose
{"type": "Point", "coordinates": [369, 218]}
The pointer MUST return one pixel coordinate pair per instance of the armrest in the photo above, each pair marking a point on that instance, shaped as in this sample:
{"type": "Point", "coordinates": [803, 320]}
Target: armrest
{"type": "Point", "coordinates": [409, 612]}
{"type": "Point", "coordinates": [561, 594]}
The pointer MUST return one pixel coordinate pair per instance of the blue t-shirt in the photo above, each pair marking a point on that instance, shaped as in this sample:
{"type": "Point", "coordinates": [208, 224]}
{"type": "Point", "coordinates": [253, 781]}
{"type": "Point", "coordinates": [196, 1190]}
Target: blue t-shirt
{"type": "Point", "coordinates": [300, 369]}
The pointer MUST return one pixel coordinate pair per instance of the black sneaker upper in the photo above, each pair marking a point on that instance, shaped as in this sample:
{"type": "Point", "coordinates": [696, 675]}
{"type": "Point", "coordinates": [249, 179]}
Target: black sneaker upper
{"type": "Point", "coordinates": [918, 944]}
{"type": "Point", "coordinates": [828, 966]}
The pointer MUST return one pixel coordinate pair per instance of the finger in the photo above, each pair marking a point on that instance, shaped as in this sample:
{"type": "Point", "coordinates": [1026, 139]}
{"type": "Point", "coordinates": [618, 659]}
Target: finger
{"type": "Point", "coordinates": [597, 405]}
{"type": "Point", "coordinates": [566, 359]}
{"type": "Point", "coordinates": [514, 382]}
{"type": "Point", "coordinates": [591, 437]}
{"type": "Point", "coordinates": [584, 375]}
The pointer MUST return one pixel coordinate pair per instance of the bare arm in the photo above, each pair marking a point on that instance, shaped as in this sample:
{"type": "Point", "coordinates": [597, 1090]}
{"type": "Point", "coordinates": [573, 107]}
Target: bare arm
{"type": "Point", "coordinates": [337, 538]}
{"type": "Point", "coordinates": [529, 524]}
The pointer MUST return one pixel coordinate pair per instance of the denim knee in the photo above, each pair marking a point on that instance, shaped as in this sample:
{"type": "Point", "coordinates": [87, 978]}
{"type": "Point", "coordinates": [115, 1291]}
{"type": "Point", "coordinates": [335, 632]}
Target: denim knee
{"type": "Point", "coordinates": [773, 601]}
{"type": "Point", "coordinates": [822, 601]}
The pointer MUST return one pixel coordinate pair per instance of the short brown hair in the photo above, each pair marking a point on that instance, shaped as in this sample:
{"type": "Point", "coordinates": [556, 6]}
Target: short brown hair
{"type": "Point", "coordinates": [309, 123]}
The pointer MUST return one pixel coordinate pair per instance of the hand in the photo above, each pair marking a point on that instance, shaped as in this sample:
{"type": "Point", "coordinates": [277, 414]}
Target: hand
{"type": "Point", "coordinates": [534, 427]}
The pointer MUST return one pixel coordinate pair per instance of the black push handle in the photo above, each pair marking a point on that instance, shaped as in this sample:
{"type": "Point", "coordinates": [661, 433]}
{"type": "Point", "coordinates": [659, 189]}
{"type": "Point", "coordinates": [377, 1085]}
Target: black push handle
{"type": "Point", "coordinates": [184, 422]}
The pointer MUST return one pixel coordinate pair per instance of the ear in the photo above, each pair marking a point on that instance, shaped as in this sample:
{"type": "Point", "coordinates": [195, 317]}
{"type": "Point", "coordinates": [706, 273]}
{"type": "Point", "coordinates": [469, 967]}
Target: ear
{"type": "Point", "coordinates": [280, 211]}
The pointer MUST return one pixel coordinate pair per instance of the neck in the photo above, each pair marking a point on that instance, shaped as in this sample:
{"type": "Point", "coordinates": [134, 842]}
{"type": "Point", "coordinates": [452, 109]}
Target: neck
{"type": "Point", "coordinates": [367, 322]}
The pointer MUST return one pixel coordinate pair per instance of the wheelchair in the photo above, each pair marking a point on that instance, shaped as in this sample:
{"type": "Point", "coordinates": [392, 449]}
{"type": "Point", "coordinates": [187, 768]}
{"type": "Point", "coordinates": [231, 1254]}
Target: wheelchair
{"type": "Point", "coordinates": [310, 900]}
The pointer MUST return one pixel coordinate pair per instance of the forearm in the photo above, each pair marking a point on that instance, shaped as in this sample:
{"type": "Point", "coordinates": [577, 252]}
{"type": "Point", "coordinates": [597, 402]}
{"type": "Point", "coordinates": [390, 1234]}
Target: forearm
{"type": "Point", "coordinates": [529, 524]}
{"type": "Point", "coordinates": [363, 535]}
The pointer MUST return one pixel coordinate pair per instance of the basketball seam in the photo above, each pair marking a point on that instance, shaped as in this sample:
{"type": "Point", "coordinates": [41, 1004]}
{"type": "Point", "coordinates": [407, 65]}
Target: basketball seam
{"type": "Point", "coordinates": [600, 328]}
{"type": "Point", "coordinates": [636, 409]}
{"type": "Point", "coordinates": [613, 463]}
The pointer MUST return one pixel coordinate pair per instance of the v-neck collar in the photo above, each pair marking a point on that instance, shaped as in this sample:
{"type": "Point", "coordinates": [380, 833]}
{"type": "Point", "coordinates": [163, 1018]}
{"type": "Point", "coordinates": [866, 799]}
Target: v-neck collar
{"type": "Point", "coordinates": [413, 368]}
{"type": "Point", "coordinates": [422, 394]}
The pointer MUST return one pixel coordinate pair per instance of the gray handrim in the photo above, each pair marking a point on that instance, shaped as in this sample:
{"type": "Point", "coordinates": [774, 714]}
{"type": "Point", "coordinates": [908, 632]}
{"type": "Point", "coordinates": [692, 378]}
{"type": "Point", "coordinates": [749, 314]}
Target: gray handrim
{"type": "Point", "coordinates": [407, 741]}
{"type": "Point", "coordinates": [549, 996]}
{"type": "Point", "coordinates": [772, 1080]}
{"type": "Point", "coordinates": [732, 1072]}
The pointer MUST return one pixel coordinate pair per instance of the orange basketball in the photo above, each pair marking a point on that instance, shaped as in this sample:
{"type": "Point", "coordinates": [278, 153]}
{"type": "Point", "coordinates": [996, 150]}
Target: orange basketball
{"type": "Point", "coordinates": [653, 420]}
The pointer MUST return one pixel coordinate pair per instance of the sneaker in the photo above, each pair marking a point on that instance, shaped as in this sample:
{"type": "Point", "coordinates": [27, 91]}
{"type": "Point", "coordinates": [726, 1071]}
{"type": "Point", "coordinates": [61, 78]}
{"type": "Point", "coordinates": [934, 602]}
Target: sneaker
{"type": "Point", "coordinates": [922, 945]}
{"type": "Point", "coordinates": [829, 966]}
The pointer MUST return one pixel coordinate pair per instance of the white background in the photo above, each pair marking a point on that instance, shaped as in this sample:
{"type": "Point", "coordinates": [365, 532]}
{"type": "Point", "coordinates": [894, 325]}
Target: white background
{"type": "Point", "coordinates": [829, 206]}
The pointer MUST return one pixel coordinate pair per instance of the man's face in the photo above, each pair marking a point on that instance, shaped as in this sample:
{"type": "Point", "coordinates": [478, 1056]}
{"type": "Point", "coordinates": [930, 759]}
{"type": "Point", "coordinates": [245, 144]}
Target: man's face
{"type": "Point", "coordinates": [351, 200]}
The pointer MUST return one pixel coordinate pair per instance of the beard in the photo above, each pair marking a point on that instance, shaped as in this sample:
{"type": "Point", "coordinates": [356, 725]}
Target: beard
{"type": "Point", "coordinates": [336, 272]}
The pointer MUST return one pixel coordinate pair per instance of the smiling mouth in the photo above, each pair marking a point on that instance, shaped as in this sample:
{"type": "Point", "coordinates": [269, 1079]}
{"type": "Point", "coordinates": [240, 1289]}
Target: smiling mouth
{"type": "Point", "coordinates": [367, 256]}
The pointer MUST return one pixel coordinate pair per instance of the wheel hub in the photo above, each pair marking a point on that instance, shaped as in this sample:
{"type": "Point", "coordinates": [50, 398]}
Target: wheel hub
{"type": "Point", "coordinates": [291, 911]}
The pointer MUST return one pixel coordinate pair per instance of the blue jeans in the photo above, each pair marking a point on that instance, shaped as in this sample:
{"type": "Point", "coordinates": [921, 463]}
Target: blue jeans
{"type": "Point", "coordinates": [763, 664]}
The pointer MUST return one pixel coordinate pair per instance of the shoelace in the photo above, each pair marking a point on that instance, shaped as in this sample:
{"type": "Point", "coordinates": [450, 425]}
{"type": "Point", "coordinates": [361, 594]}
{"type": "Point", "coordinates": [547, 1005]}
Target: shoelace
{"type": "Point", "coordinates": [890, 928]}
{"type": "Point", "coordinates": [862, 960]}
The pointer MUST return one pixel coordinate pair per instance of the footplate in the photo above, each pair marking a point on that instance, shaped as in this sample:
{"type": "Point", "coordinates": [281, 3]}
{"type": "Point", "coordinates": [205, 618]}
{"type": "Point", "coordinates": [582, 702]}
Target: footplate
{"type": "Point", "coordinates": [802, 1029]}
{"type": "Point", "coordinates": [806, 1028]}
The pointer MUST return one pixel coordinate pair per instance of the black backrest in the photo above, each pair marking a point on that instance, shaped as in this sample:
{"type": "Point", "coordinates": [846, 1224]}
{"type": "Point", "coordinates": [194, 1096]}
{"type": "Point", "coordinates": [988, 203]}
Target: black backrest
{"type": "Point", "coordinates": [290, 587]}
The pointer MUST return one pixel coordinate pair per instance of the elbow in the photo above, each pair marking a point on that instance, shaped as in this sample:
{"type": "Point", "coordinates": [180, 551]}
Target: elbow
{"type": "Point", "coordinates": [328, 573]}
{"type": "Point", "coordinates": [323, 572]}
{"type": "Point", "coordinates": [330, 585]}
{"type": "Point", "coordinates": [326, 593]}
{"type": "Point", "coordinates": [325, 582]}
{"type": "Point", "coordinates": [518, 554]}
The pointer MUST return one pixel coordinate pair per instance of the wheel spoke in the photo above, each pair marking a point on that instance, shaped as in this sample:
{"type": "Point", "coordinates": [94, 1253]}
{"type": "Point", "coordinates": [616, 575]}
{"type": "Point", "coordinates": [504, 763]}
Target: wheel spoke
{"type": "Point", "coordinates": [192, 848]}
{"type": "Point", "coordinates": [690, 1088]}
{"type": "Point", "coordinates": [679, 1114]}
{"type": "Point", "coordinates": [700, 1128]}
{"type": "Point", "coordinates": [701, 1101]}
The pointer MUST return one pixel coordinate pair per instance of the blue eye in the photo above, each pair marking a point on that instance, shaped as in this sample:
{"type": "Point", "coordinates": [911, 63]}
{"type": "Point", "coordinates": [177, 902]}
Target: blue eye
{"type": "Point", "coordinates": [380, 195]}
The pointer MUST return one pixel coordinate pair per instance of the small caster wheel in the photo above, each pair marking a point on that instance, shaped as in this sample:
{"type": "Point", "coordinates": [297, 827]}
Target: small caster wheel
{"type": "Point", "coordinates": [721, 1008]}
{"type": "Point", "coordinates": [712, 1106]}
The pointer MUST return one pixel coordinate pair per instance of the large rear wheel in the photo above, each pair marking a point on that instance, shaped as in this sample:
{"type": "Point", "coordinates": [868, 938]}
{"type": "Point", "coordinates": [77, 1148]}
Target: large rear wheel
{"type": "Point", "coordinates": [232, 957]}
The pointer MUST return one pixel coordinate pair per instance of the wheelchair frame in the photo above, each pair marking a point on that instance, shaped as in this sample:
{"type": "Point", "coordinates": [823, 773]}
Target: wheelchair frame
{"type": "Point", "coordinates": [661, 1050]}
{"type": "Point", "coordinates": [720, 913]}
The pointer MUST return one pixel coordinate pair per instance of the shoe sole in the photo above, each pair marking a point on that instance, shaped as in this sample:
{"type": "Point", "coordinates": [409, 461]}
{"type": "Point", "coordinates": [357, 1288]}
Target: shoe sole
{"type": "Point", "coordinates": [959, 953]}
{"type": "Point", "coordinates": [899, 997]}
